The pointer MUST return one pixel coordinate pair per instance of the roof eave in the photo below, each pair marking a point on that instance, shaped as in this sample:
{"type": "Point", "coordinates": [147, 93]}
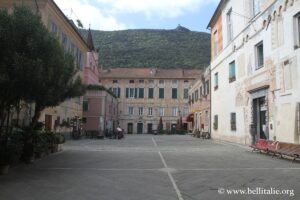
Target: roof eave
{"type": "Point", "coordinates": [216, 13]}
{"type": "Point", "coordinates": [72, 25]}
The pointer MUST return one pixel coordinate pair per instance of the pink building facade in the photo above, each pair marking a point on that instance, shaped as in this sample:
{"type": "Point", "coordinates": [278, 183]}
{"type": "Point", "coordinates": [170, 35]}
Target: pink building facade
{"type": "Point", "coordinates": [100, 108]}
{"type": "Point", "coordinates": [199, 95]}
{"type": "Point", "coordinates": [100, 112]}
{"type": "Point", "coordinates": [91, 73]}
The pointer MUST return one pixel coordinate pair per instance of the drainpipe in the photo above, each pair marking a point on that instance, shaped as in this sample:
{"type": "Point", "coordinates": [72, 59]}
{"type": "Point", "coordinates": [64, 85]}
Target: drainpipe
{"type": "Point", "coordinates": [210, 100]}
{"type": "Point", "coordinates": [104, 118]}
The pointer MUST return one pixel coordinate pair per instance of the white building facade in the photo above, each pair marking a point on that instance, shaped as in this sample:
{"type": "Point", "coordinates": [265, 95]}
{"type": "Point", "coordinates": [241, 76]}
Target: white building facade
{"type": "Point", "coordinates": [255, 70]}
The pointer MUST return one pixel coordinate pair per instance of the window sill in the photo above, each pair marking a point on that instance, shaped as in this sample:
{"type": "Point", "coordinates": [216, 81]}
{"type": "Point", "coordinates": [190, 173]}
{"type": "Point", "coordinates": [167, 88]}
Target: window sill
{"type": "Point", "coordinates": [232, 79]}
{"type": "Point", "coordinates": [259, 67]}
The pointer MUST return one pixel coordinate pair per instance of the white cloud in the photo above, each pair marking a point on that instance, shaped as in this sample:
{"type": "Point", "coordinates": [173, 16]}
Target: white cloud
{"type": "Point", "coordinates": [156, 8]}
{"type": "Point", "coordinates": [89, 14]}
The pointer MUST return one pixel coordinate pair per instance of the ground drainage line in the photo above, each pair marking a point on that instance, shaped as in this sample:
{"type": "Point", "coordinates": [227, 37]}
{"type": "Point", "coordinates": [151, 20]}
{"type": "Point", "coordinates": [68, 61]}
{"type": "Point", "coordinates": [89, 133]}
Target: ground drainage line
{"type": "Point", "coordinates": [169, 173]}
{"type": "Point", "coordinates": [231, 144]}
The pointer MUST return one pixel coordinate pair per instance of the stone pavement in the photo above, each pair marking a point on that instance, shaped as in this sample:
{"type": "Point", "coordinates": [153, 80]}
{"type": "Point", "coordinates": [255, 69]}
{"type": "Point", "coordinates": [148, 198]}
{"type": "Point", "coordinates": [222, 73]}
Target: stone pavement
{"type": "Point", "coordinates": [146, 167]}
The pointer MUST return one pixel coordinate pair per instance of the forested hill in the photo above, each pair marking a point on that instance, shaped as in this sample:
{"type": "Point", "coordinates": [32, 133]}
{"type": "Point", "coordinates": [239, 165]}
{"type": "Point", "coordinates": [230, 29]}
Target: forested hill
{"type": "Point", "coordinates": [176, 48]}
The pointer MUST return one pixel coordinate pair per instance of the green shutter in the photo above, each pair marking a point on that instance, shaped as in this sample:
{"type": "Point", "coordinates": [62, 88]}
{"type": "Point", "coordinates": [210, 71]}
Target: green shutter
{"type": "Point", "coordinates": [161, 93]}
{"type": "Point", "coordinates": [127, 92]}
{"type": "Point", "coordinates": [174, 93]}
{"type": "Point", "coordinates": [119, 92]}
{"type": "Point", "coordinates": [141, 93]}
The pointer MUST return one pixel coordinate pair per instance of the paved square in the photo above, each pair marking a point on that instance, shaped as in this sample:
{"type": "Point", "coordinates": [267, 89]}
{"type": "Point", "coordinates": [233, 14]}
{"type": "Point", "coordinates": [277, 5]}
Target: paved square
{"type": "Point", "coordinates": [146, 167]}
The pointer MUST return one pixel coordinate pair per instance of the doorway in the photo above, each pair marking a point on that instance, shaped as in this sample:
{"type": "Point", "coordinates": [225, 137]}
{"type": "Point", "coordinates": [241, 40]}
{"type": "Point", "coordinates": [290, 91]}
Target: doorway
{"type": "Point", "coordinates": [140, 127]}
{"type": "Point", "coordinates": [260, 118]}
{"type": "Point", "coordinates": [149, 128]}
{"type": "Point", "coordinates": [129, 128]}
{"type": "Point", "coordinates": [173, 129]}
{"type": "Point", "coordinates": [48, 122]}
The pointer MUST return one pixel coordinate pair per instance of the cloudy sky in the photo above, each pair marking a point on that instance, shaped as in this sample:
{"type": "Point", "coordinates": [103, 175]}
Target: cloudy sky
{"type": "Point", "coordinates": [136, 14]}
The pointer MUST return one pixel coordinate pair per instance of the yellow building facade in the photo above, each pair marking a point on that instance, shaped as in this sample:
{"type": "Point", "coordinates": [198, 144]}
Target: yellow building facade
{"type": "Point", "coordinates": [68, 35]}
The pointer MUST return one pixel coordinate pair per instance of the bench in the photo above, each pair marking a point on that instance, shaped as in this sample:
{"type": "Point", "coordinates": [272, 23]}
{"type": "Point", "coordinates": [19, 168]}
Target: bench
{"type": "Point", "coordinates": [277, 148]}
{"type": "Point", "coordinates": [260, 145]}
{"type": "Point", "coordinates": [288, 149]}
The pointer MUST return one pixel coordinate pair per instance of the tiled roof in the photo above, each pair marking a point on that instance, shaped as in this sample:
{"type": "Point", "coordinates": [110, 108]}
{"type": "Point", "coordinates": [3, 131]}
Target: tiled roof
{"type": "Point", "coordinates": [149, 73]}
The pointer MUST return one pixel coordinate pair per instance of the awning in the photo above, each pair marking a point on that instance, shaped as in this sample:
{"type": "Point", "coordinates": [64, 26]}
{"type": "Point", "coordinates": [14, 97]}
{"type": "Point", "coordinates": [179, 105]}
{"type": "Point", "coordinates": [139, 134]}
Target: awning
{"type": "Point", "coordinates": [190, 117]}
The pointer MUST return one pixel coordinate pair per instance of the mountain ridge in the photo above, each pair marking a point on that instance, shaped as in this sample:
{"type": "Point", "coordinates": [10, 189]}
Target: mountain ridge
{"type": "Point", "coordinates": [160, 48]}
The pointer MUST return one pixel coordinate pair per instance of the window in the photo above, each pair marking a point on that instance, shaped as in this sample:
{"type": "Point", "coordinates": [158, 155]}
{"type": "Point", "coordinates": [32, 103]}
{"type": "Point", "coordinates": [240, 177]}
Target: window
{"type": "Point", "coordinates": [229, 25]}
{"type": "Point", "coordinates": [297, 30]}
{"type": "Point", "coordinates": [216, 81]}
{"type": "Point", "coordinates": [215, 122]}
{"type": "Point", "coordinates": [151, 81]}
{"type": "Point", "coordinates": [141, 93]}
{"type": "Point", "coordinates": [185, 111]}
{"type": "Point", "coordinates": [255, 7]}
{"type": "Point", "coordinates": [259, 51]}
{"type": "Point", "coordinates": [233, 121]}
{"type": "Point", "coordinates": [130, 110]}
{"type": "Point", "coordinates": [117, 92]}
{"type": "Point", "coordinates": [130, 92]}
{"type": "Point", "coordinates": [161, 93]}
{"type": "Point", "coordinates": [232, 72]}
{"type": "Point", "coordinates": [141, 110]}
{"type": "Point", "coordinates": [115, 81]}
{"type": "Point", "coordinates": [186, 81]}
{"type": "Point", "coordinates": [196, 95]}
{"type": "Point", "coordinates": [216, 46]}
{"type": "Point", "coordinates": [150, 111]}
{"type": "Point", "coordinates": [150, 93]}
{"type": "Point", "coordinates": [185, 93]}
{"type": "Point", "coordinates": [206, 117]}
{"type": "Point", "coordinates": [206, 92]}
{"type": "Point", "coordinates": [65, 41]}
{"type": "Point", "coordinates": [161, 82]}
{"type": "Point", "coordinates": [85, 105]}
{"type": "Point", "coordinates": [161, 112]}
{"type": "Point", "coordinates": [201, 91]}
{"type": "Point", "coordinates": [54, 28]}
{"type": "Point", "coordinates": [174, 93]}
{"type": "Point", "coordinates": [141, 81]}
{"type": "Point", "coordinates": [193, 97]}
{"type": "Point", "coordinates": [131, 81]}
{"type": "Point", "coordinates": [174, 111]}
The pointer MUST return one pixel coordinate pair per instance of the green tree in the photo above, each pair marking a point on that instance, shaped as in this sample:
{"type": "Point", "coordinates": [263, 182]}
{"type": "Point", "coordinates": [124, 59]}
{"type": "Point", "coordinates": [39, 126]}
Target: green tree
{"type": "Point", "coordinates": [34, 67]}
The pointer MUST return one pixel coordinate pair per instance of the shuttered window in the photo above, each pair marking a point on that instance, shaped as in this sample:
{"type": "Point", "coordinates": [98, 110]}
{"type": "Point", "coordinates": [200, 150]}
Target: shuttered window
{"type": "Point", "coordinates": [233, 121]}
{"type": "Point", "coordinates": [216, 122]}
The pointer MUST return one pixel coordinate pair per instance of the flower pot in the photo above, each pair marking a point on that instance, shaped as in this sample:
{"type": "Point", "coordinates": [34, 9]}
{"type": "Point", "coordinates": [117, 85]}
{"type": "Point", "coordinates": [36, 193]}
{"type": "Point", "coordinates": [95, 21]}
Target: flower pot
{"type": "Point", "coordinates": [60, 147]}
{"type": "Point", "coordinates": [4, 169]}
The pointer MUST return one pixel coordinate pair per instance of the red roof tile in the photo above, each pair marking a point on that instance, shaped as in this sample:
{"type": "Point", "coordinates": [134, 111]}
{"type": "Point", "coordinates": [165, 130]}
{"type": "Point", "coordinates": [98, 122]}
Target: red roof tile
{"type": "Point", "coordinates": [150, 73]}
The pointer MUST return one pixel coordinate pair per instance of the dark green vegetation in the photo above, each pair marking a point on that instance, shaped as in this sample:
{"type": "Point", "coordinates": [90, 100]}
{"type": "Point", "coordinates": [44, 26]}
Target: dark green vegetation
{"type": "Point", "coordinates": [177, 48]}
{"type": "Point", "coordinates": [34, 69]}
{"type": "Point", "coordinates": [100, 87]}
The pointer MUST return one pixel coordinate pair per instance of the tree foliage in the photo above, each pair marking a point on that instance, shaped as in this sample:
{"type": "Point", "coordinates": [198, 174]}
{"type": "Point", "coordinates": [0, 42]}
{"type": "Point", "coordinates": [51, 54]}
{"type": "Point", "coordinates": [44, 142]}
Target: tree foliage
{"type": "Point", "coordinates": [33, 65]}
{"type": "Point", "coordinates": [101, 88]}
{"type": "Point", "coordinates": [176, 48]}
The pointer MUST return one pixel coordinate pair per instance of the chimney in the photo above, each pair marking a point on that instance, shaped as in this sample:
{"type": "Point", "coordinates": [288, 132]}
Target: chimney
{"type": "Point", "coordinates": [153, 71]}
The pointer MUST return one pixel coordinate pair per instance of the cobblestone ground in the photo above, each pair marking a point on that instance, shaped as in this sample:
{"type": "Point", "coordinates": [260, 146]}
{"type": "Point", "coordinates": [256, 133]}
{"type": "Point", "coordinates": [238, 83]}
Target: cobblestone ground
{"type": "Point", "coordinates": [146, 167]}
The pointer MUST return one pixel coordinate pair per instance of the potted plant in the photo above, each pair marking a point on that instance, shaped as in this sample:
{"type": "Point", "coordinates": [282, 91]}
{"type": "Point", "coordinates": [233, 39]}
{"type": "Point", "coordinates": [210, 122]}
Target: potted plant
{"type": "Point", "coordinates": [11, 146]}
{"type": "Point", "coordinates": [4, 159]}
{"type": "Point", "coordinates": [40, 144]}
{"type": "Point", "coordinates": [59, 140]}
